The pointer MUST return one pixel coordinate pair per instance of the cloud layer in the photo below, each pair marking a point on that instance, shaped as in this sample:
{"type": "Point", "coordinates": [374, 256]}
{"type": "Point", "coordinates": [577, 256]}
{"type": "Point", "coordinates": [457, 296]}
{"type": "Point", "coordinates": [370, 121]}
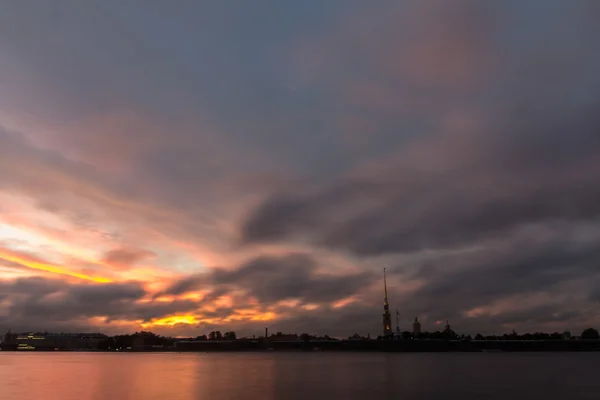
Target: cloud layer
{"type": "Point", "coordinates": [204, 166]}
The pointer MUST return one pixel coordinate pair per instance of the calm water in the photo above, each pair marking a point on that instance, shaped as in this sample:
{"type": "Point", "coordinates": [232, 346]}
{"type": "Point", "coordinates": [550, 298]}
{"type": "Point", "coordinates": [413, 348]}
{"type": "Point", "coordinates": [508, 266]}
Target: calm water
{"type": "Point", "coordinates": [326, 376]}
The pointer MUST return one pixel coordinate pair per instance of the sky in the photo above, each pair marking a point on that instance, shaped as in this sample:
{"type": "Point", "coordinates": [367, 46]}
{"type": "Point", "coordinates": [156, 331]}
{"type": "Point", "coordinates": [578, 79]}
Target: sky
{"type": "Point", "coordinates": [182, 167]}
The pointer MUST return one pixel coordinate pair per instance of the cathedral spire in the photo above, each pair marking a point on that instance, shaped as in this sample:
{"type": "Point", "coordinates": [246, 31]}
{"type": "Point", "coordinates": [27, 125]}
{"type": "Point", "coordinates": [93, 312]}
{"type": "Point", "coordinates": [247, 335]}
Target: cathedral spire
{"type": "Point", "coordinates": [387, 317]}
{"type": "Point", "coordinates": [385, 299]}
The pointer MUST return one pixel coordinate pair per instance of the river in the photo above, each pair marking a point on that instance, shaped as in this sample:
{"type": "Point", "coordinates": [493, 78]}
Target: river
{"type": "Point", "coordinates": [315, 376]}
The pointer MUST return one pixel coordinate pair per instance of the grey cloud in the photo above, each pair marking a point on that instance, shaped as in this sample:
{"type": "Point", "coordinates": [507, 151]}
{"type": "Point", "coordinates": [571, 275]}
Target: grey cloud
{"type": "Point", "coordinates": [358, 318]}
{"type": "Point", "coordinates": [595, 295]}
{"type": "Point", "coordinates": [292, 276]}
{"type": "Point", "coordinates": [34, 285]}
{"type": "Point", "coordinates": [51, 302]}
{"type": "Point", "coordinates": [185, 285]}
{"type": "Point", "coordinates": [105, 294]}
{"type": "Point", "coordinates": [516, 271]}
{"type": "Point", "coordinates": [449, 223]}
{"type": "Point", "coordinates": [54, 299]}
{"type": "Point", "coordinates": [531, 158]}
{"type": "Point", "coordinates": [270, 279]}
{"type": "Point", "coordinates": [492, 185]}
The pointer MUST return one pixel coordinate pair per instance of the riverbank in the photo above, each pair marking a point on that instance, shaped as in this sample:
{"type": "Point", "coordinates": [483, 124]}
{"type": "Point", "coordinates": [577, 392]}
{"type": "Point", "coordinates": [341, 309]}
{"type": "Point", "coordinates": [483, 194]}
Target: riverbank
{"type": "Point", "coordinates": [356, 346]}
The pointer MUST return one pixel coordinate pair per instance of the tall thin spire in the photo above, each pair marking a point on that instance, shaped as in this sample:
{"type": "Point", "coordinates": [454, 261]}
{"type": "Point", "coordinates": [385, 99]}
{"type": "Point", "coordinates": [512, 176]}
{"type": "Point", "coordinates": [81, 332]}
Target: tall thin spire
{"type": "Point", "coordinates": [385, 288]}
{"type": "Point", "coordinates": [387, 317]}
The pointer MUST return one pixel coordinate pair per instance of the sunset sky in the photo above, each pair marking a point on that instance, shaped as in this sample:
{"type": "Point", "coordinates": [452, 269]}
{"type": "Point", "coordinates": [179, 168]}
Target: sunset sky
{"type": "Point", "coordinates": [188, 166]}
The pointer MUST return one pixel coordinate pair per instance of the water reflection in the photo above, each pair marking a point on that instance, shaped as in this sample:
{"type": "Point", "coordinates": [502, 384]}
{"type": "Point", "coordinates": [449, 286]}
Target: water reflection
{"type": "Point", "coordinates": [265, 376]}
{"type": "Point", "coordinates": [234, 376]}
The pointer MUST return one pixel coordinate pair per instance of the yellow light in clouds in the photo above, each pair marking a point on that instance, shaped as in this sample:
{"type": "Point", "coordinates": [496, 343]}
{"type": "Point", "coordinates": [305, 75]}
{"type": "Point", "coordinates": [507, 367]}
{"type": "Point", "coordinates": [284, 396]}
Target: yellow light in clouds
{"type": "Point", "coordinates": [172, 320]}
{"type": "Point", "coordinates": [48, 267]}
{"type": "Point", "coordinates": [163, 299]}
{"type": "Point", "coordinates": [250, 314]}
{"type": "Point", "coordinates": [268, 316]}
{"type": "Point", "coordinates": [198, 296]}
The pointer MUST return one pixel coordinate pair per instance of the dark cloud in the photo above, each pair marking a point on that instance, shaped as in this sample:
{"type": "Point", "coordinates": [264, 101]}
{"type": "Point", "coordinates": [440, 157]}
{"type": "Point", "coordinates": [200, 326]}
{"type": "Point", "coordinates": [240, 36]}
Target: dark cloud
{"type": "Point", "coordinates": [271, 279]}
{"type": "Point", "coordinates": [490, 187]}
{"type": "Point", "coordinates": [595, 295]}
{"type": "Point", "coordinates": [41, 303]}
{"type": "Point", "coordinates": [517, 270]}
{"type": "Point", "coordinates": [48, 299]}
{"type": "Point", "coordinates": [33, 286]}
{"type": "Point", "coordinates": [290, 277]}
{"type": "Point", "coordinates": [105, 293]}
{"type": "Point", "coordinates": [518, 146]}
{"type": "Point", "coordinates": [185, 285]}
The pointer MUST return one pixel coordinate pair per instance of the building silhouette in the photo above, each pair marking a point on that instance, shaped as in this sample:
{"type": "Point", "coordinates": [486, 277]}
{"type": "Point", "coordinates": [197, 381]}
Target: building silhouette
{"type": "Point", "coordinates": [52, 341]}
{"type": "Point", "coordinates": [416, 327]}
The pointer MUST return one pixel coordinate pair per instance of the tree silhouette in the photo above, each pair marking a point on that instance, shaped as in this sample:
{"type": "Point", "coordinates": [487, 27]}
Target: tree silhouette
{"type": "Point", "coordinates": [590, 333]}
{"type": "Point", "coordinates": [215, 335]}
